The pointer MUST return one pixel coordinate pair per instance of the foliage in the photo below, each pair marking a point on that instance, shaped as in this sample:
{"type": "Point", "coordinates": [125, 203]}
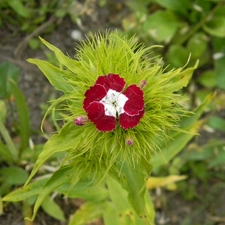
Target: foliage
{"type": "Point", "coordinates": [193, 28]}
{"type": "Point", "coordinates": [184, 28]}
{"type": "Point", "coordinates": [16, 156]}
{"type": "Point", "coordinates": [92, 165]}
{"type": "Point", "coordinates": [29, 14]}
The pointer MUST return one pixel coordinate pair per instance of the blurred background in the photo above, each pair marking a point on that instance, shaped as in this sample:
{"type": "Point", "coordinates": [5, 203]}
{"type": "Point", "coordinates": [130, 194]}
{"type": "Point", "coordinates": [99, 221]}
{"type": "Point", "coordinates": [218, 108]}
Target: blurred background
{"type": "Point", "coordinates": [185, 28]}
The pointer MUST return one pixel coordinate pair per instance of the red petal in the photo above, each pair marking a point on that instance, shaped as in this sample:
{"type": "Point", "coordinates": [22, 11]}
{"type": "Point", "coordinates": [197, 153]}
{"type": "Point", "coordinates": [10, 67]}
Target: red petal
{"type": "Point", "coordinates": [127, 121]}
{"type": "Point", "coordinates": [95, 93]}
{"type": "Point", "coordinates": [96, 114]}
{"type": "Point", "coordinates": [135, 102]}
{"type": "Point", "coordinates": [112, 81]}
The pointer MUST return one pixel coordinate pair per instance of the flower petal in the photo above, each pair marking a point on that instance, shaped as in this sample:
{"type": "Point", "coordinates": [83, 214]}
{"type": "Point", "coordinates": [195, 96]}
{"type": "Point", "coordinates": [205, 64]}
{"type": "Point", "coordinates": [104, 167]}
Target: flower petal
{"type": "Point", "coordinates": [135, 102]}
{"type": "Point", "coordinates": [95, 93]}
{"type": "Point", "coordinates": [96, 114]}
{"type": "Point", "coordinates": [111, 81]}
{"type": "Point", "coordinates": [127, 121]}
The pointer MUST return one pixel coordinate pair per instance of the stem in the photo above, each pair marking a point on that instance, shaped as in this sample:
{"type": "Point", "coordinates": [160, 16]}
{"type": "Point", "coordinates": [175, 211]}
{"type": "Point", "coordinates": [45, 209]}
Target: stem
{"type": "Point", "coordinates": [198, 25]}
{"type": "Point", "coordinates": [9, 142]}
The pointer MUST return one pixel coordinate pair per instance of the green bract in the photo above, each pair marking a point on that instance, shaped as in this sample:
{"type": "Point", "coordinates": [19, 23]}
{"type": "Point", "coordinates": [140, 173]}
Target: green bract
{"type": "Point", "coordinates": [92, 153]}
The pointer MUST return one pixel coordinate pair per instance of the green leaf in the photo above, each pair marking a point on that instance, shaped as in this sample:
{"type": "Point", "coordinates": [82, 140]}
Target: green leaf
{"type": "Point", "coordinates": [216, 123]}
{"type": "Point", "coordinates": [218, 161]}
{"type": "Point", "coordinates": [9, 143]}
{"type": "Point", "coordinates": [19, 8]}
{"type": "Point", "coordinates": [3, 111]}
{"type": "Point", "coordinates": [68, 138]}
{"type": "Point", "coordinates": [220, 71]}
{"type": "Point", "coordinates": [88, 212]}
{"type": "Point", "coordinates": [1, 206]}
{"type": "Point", "coordinates": [133, 180]}
{"type": "Point", "coordinates": [84, 190]}
{"type": "Point", "coordinates": [216, 27]}
{"type": "Point", "coordinates": [7, 71]}
{"type": "Point", "coordinates": [208, 78]}
{"type": "Point", "coordinates": [181, 6]}
{"type": "Point", "coordinates": [34, 43]}
{"type": "Point", "coordinates": [161, 25]}
{"type": "Point", "coordinates": [25, 192]}
{"type": "Point", "coordinates": [52, 209]}
{"type": "Point", "coordinates": [60, 177]}
{"type": "Point", "coordinates": [197, 45]}
{"type": "Point", "coordinates": [14, 175]}
{"type": "Point", "coordinates": [5, 154]}
{"type": "Point", "coordinates": [55, 75]}
{"type": "Point", "coordinates": [181, 77]}
{"type": "Point", "coordinates": [179, 139]}
{"type": "Point", "coordinates": [23, 114]}
{"type": "Point", "coordinates": [69, 63]}
{"type": "Point", "coordinates": [177, 56]}
{"type": "Point", "coordinates": [122, 211]}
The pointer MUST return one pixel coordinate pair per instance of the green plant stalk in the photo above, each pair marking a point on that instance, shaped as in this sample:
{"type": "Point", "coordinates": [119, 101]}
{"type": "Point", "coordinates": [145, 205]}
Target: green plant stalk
{"type": "Point", "coordinates": [23, 114]}
{"type": "Point", "coordinates": [9, 142]}
{"type": "Point", "coordinates": [198, 26]}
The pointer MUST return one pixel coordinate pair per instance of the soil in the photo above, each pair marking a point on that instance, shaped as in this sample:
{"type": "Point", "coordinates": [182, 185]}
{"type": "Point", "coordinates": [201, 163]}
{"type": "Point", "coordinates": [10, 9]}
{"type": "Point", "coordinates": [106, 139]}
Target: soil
{"type": "Point", "coordinates": [171, 207]}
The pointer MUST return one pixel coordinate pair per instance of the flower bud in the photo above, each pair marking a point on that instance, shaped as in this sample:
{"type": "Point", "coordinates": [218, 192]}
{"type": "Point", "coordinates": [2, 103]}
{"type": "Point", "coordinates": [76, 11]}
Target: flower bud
{"type": "Point", "coordinates": [80, 120]}
{"type": "Point", "coordinates": [143, 83]}
{"type": "Point", "coordinates": [129, 141]}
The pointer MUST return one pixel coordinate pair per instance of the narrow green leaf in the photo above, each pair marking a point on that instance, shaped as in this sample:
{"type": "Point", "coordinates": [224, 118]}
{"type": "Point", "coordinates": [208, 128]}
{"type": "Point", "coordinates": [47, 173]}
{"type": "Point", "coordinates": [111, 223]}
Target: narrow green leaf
{"type": "Point", "coordinates": [1, 206]}
{"type": "Point", "coordinates": [58, 178]}
{"type": "Point", "coordinates": [5, 154]}
{"type": "Point", "coordinates": [189, 124]}
{"type": "Point", "coordinates": [123, 210]}
{"type": "Point", "coordinates": [55, 75]}
{"type": "Point", "coordinates": [183, 77]}
{"type": "Point", "coordinates": [87, 213]}
{"type": "Point", "coordinates": [19, 8]}
{"type": "Point", "coordinates": [14, 175]}
{"type": "Point", "coordinates": [25, 192]}
{"type": "Point", "coordinates": [23, 114]}
{"type": "Point", "coordinates": [68, 138]}
{"type": "Point", "coordinates": [52, 209]}
{"type": "Point", "coordinates": [3, 111]}
{"type": "Point", "coordinates": [9, 143]}
{"type": "Point", "coordinates": [69, 63]}
{"type": "Point", "coordinates": [220, 71]}
{"type": "Point", "coordinates": [136, 190]}
{"type": "Point", "coordinates": [7, 71]}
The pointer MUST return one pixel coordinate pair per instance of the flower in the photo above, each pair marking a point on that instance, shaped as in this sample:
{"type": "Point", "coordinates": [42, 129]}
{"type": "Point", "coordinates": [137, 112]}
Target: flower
{"type": "Point", "coordinates": [80, 120]}
{"type": "Point", "coordinates": [129, 142]}
{"type": "Point", "coordinates": [106, 101]}
{"type": "Point", "coordinates": [116, 87]}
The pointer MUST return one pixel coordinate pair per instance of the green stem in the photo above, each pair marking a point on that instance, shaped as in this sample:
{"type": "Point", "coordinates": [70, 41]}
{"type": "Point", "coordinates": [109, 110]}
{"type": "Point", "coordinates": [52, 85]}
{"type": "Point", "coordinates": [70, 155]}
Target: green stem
{"type": "Point", "coordinates": [198, 26]}
{"type": "Point", "coordinates": [9, 142]}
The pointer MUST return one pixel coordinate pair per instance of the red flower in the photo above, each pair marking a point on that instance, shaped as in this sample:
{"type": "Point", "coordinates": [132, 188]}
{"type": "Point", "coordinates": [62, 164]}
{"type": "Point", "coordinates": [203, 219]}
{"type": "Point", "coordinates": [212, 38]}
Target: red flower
{"type": "Point", "coordinates": [105, 102]}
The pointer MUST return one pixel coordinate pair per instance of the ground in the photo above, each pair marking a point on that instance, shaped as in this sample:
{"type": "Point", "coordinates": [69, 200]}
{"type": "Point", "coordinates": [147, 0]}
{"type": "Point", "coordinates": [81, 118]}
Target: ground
{"type": "Point", "coordinates": [171, 207]}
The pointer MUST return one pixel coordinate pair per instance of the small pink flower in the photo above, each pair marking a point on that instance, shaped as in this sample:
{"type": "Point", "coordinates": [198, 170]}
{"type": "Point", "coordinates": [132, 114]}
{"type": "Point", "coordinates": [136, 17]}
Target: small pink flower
{"type": "Point", "coordinates": [129, 141]}
{"type": "Point", "coordinates": [105, 102]}
{"type": "Point", "coordinates": [143, 83]}
{"type": "Point", "coordinates": [81, 120]}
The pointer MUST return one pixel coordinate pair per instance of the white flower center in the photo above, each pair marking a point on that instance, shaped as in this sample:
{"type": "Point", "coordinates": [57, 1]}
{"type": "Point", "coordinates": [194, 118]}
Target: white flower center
{"type": "Point", "coordinates": [114, 102]}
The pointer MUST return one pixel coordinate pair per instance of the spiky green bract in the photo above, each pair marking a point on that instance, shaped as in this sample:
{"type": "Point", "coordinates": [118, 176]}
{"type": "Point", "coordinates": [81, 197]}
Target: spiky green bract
{"type": "Point", "coordinates": [94, 152]}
